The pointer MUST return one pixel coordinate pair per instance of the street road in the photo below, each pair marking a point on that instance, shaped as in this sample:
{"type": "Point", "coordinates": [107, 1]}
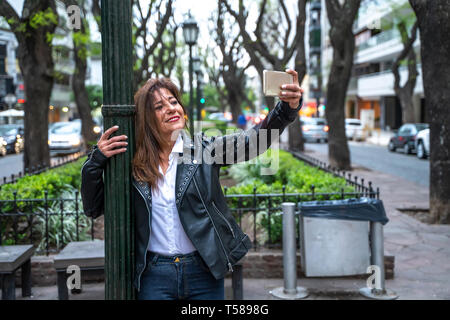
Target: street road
{"type": "Point", "coordinates": [366, 155]}
{"type": "Point", "coordinates": [378, 158]}
{"type": "Point", "coordinates": [10, 164]}
{"type": "Point", "coordinates": [13, 164]}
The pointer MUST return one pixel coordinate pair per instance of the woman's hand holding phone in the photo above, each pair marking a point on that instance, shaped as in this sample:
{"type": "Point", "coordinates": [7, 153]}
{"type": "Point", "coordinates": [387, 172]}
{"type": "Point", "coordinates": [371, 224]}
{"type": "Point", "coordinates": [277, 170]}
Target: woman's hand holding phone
{"type": "Point", "coordinates": [291, 93]}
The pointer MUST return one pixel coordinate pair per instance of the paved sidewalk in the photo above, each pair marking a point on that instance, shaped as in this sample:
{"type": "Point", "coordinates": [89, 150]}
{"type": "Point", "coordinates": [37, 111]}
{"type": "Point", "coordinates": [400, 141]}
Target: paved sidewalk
{"type": "Point", "coordinates": [422, 251]}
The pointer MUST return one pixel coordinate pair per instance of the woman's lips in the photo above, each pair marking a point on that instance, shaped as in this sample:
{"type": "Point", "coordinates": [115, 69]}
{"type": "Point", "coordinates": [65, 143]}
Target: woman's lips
{"type": "Point", "coordinates": [173, 119]}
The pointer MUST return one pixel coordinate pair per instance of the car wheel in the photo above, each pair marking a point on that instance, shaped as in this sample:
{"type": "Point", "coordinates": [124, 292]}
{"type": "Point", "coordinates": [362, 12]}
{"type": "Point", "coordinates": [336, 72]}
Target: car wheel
{"type": "Point", "coordinates": [391, 146]}
{"type": "Point", "coordinates": [406, 149]}
{"type": "Point", "coordinates": [421, 151]}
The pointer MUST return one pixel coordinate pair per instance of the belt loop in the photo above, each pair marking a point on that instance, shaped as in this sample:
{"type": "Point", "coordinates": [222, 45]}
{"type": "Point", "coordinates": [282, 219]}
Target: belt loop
{"type": "Point", "coordinates": [155, 258]}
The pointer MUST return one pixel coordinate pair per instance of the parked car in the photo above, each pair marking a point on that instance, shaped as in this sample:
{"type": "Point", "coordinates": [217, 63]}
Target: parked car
{"type": "Point", "coordinates": [65, 138]}
{"type": "Point", "coordinates": [220, 116]}
{"type": "Point", "coordinates": [405, 137]}
{"type": "Point", "coordinates": [354, 129]}
{"type": "Point", "coordinates": [423, 144]}
{"type": "Point", "coordinates": [314, 129]}
{"type": "Point", "coordinates": [12, 138]}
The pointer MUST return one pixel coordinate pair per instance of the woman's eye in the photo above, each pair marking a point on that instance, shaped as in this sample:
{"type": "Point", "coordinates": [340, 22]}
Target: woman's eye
{"type": "Point", "coordinates": [174, 102]}
{"type": "Point", "coordinates": [158, 107]}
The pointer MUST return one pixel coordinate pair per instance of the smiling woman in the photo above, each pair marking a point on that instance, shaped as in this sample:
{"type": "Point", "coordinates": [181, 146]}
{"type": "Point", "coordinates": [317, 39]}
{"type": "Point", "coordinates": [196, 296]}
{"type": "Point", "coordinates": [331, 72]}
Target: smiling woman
{"type": "Point", "coordinates": [186, 237]}
{"type": "Point", "coordinates": [159, 113]}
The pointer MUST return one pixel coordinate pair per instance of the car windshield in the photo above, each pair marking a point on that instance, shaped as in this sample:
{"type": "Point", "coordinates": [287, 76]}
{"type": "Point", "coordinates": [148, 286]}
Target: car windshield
{"type": "Point", "coordinates": [8, 131]}
{"type": "Point", "coordinates": [313, 121]}
{"type": "Point", "coordinates": [217, 116]}
{"type": "Point", "coordinates": [421, 126]}
{"type": "Point", "coordinates": [67, 128]}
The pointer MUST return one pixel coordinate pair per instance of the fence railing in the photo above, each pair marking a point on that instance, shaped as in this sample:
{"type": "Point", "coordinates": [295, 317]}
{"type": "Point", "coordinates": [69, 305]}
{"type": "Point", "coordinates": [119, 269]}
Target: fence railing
{"type": "Point", "coordinates": [42, 167]}
{"type": "Point", "coordinates": [361, 186]}
{"type": "Point", "coordinates": [52, 223]}
{"type": "Point", "coordinates": [48, 223]}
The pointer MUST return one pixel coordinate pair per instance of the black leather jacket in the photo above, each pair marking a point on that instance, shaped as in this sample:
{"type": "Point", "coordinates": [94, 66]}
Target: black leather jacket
{"type": "Point", "coordinates": [201, 205]}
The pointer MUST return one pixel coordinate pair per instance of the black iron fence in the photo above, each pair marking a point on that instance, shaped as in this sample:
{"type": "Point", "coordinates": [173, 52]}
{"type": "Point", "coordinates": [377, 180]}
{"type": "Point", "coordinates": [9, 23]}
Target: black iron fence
{"type": "Point", "coordinates": [361, 186]}
{"type": "Point", "coordinates": [261, 214]}
{"type": "Point", "coordinates": [47, 223]}
{"type": "Point", "coordinates": [52, 223]}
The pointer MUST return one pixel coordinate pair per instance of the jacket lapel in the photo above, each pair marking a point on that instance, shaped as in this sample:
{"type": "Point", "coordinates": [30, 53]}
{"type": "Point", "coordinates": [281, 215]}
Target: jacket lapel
{"type": "Point", "coordinates": [187, 165]}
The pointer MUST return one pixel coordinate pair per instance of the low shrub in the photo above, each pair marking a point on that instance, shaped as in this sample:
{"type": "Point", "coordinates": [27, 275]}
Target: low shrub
{"type": "Point", "coordinates": [61, 182]}
{"type": "Point", "coordinates": [296, 176]}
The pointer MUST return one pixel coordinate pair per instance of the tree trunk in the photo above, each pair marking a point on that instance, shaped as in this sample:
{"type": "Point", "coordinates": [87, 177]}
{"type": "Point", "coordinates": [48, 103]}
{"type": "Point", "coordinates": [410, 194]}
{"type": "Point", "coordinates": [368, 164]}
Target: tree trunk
{"type": "Point", "coordinates": [81, 95]}
{"type": "Point", "coordinates": [405, 93]}
{"type": "Point", "coordinates": [343, 41]}
{"type": "Point", "coordinates": [434, 26]}
{"type": "Point", "coordinates": [406, 101]}
{"type": "Point", "coordinates": [38, 88]}
{"type": "Point", "coordinates": [36, 64]}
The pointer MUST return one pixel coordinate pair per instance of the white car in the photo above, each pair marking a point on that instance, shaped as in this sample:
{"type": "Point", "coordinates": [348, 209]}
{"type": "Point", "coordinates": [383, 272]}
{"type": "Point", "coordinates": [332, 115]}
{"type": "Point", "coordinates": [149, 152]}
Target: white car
{"type": "Point", "coordinates": [354, 129]}
{"type": "Point", "coordinates": [422, 144]}
{"type": "Point", "coordinates": [65, 138]}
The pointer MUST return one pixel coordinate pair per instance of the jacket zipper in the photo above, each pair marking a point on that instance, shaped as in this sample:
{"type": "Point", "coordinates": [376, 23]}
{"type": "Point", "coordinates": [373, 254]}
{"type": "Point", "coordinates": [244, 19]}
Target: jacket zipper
{"type": "Point", "coordinates": [230, 267]}
{"type": "Point", "coordinates": [150, 232]}
{"type": "Point", "coordinates": [223, 217]}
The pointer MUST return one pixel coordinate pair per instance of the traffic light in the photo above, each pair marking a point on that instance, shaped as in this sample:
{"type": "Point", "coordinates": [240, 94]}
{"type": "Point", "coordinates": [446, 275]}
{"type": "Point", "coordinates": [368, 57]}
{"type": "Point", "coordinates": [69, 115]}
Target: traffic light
{"type": "Point", "coordinates": [202, 100]}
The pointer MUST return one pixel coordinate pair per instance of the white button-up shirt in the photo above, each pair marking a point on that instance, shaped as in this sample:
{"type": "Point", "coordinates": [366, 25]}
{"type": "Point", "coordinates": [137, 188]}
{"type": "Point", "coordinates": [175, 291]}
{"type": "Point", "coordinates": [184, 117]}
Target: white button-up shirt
{"type": "Point", "coordinates": [168, 236]}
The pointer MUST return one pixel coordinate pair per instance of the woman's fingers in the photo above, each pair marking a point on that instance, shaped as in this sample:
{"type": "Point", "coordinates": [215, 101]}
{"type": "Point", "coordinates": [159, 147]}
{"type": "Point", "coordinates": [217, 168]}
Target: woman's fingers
{"type": "Point", "coordinates": [107, 133]}
{"type": "Point", "coordinates": [116, 151]}
{"type": "Point", "coordinates": [115, 145]}
{"type": "Point", "coordinates": [117, 138]}
{"type": "Point", "coordinates": [107, 145]}
{"type": "Point", "coordinates": [291, 87]}
{"type": "Point", "coordinates": [294, 74]}
{"type": "Point", "coordinates": [290, 94]}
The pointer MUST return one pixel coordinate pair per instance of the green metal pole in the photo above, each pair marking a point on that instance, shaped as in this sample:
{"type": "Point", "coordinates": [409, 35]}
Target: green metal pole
{"type": "Point", "coordinates": [198, 97]}
{"type": "Point", "coordinates": [118, 109]}
{"type": "Point", "coordinates": [191, 93]}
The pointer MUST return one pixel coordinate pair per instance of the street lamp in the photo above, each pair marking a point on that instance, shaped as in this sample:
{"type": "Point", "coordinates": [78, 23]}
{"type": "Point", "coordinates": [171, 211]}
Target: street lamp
{"type": "Point", "coordinates": [197, 66]}
{"type": "Point", "coordinates": [190, 33]}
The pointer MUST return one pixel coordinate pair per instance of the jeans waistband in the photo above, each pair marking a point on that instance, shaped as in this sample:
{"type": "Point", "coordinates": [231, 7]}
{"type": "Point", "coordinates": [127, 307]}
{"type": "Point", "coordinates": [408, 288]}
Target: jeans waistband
{"type": "Point", "coordinates": [156, 257]}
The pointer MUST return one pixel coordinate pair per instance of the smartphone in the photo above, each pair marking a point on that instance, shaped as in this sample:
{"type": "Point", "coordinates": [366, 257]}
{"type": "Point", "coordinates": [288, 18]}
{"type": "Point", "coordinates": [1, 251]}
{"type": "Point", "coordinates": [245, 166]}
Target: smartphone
{"type": "Point", "coordinates": [272, 81]}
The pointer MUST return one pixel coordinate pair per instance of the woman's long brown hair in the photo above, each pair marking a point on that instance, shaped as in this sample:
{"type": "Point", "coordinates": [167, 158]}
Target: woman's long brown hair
{"type": "Point", "coordinates": [148, 138]}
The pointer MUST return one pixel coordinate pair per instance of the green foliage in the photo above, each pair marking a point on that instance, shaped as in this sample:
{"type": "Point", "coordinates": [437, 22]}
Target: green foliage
{"type": "Point", "coordinates": [55, 181]}
{"type": "Point", "coordinates": [43, 19]}
{"type": "Point", "coordinates": [96, 49]}
{"type": "Point", "coordinates": [61, 182]}
{"type": "Point", "coordinates": [296, 176]}
{"type": "Point", "coordinates": [95, 96]}
{"type": "Point", "coordinates": [211, 95]}
{"type": "Point", "coordinates": [56, 238]}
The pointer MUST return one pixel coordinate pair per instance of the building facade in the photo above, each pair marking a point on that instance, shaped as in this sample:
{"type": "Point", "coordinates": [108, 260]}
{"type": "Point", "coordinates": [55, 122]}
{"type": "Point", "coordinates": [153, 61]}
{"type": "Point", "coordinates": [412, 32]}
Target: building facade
{"type": "Point", "coordinates": [370, 95]}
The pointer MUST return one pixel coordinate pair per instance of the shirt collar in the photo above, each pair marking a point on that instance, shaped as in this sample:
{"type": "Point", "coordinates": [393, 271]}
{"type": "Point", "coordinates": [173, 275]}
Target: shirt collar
{"type": "Point", "coordinates": [178, 147]}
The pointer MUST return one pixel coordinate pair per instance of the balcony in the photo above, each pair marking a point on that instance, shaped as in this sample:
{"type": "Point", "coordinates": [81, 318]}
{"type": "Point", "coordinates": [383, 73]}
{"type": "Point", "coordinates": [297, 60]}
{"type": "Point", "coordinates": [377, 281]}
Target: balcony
{"type": "Point", "coordinates": [382, 83]}
{"type": "Point", "coordinates": [383, 46]}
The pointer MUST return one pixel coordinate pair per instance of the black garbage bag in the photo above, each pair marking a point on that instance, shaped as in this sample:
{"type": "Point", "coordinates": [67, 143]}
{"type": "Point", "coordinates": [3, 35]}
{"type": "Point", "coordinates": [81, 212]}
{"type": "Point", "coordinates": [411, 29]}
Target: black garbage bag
{"type": "Point", "coordinates": [362, 209]}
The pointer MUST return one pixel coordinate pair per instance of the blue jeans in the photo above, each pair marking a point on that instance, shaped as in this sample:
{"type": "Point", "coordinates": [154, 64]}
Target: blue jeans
{"type": "Point", "coordinates": [179, 277]}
